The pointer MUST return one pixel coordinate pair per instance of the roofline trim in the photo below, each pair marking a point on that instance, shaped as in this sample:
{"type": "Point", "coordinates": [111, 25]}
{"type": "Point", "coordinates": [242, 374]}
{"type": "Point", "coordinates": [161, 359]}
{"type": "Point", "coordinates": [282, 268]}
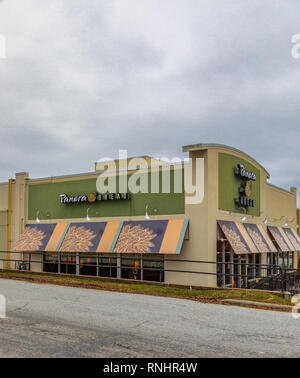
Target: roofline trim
{"type": "Point", "coordinates": [279, 188]}
{"type": "Point", "coordinates": [129, 158]}
{"type": "Point", "coordinates": [96, 173]}
{"type": "Point", "coordinates": [194, 147]}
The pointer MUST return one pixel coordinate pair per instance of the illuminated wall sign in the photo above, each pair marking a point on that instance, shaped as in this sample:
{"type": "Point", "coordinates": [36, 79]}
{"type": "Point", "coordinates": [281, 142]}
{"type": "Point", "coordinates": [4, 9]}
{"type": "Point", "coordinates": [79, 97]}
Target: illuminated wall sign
{"type": "Point", "coordinates": [239, 185]}
{"type": "Point", "coordinates": [241, 171]}
{"type": "Point", "coordinates": [244, 201]}
{"type": "Point", "coordinates": [93, 197]}
{"type": "Point", "coordinates": [246, 186]}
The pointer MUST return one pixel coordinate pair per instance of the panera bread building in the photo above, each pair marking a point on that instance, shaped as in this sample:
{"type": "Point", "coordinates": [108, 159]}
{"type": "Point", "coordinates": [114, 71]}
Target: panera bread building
{"type": "Point", "coordinates": [159, 236]}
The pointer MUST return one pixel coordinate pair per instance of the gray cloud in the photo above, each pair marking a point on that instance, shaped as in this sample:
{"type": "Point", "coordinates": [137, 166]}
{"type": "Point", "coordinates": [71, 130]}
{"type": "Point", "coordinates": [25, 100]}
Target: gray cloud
{"type": "Point", "coordinates": [85, 78]}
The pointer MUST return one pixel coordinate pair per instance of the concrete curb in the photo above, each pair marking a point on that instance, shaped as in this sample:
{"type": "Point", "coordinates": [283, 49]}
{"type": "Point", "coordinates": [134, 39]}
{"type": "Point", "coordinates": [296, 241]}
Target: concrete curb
{"type": "Point", "coordinates": [259, 305]}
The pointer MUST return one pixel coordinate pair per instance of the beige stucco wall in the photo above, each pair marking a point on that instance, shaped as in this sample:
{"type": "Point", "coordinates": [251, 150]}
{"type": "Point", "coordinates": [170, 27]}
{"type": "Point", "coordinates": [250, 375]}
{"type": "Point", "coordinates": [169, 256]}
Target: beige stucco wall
{"type": "Point", "coordinates": [281, 204]}
{"type": "Point", "coordinates": [3, 223]}
{"type": "Point", "coordinates": [18, 212]}
{"type": "Point", "coordinates": [19, 206]}
{"type": "Point", "coordinates": [3, 236]}
{"type": "Point", "coordinates": [197, 247]}
{"type": "Point", "coordinates": [3, 197]}
{"type": "Point", "coordinates": [282, 207]}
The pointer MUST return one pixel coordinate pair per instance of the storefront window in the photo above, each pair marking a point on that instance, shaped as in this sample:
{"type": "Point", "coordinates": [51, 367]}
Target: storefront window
{"type": "Point", "coordinates": [88, 265]}
{"type": "Point", "coordinates": [259, 270]}
{"type": "Point", "coordinates": [286, 260]}
{"type": "Point", "coordinates": [51, 263]}
{"type": "Point", "coordinates": [277, 261]}
{"type": "Point", "coordinates": [141, 267]}
{"type": "Point", "coordinates": [131, 267]}
{"type": "Point", "coordinates": [108, 266]}
{"type": "Point", "coordinates": [224, 270]}
{"type": "Point", "coordinates": [291, 260]}
{"type": "Point", "coordinates": [134, 267]}
{"type": "Point", "coordinates": [272, 263]}
{"type": "Point", "coordinates": [68, 264]}
{"type": "Point", "coordinates": [282, 259]}
{"type": "Point", "coordinates": [153, 268]}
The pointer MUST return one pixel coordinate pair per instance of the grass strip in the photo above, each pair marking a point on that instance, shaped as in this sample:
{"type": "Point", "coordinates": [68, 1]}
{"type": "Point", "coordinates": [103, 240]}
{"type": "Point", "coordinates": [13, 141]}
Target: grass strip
{"type": "Point", "coordinates": [200, 295]}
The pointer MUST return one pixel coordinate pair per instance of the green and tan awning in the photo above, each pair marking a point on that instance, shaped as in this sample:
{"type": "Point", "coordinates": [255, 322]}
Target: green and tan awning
{"type": "Point", "coordinates": [246, 238]}
{"type": "Point", "coordinates": [147, 237]}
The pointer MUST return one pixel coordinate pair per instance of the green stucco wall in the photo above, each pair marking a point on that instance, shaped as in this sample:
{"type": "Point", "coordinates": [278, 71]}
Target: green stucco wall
{"type": "Point", "coordinates": [229, 184]}
{"type": "Point", "coordinates": [45, 198]}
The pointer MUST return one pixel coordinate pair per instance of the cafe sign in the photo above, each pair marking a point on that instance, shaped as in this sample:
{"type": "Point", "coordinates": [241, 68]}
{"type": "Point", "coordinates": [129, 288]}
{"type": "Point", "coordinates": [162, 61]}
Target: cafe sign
{"type": "Point", "coordinates": [245, 189]}
{"type": "Point", "coordinates": [93, 197]}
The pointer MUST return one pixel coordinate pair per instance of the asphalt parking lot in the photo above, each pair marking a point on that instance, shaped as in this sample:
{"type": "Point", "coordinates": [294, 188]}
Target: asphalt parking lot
{"type": "Point", "coordinates": [54, 321]}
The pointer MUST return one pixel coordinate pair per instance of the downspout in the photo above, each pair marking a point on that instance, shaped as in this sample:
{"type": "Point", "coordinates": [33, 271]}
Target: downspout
{"type": "Point", "coordinates": [9, 213]}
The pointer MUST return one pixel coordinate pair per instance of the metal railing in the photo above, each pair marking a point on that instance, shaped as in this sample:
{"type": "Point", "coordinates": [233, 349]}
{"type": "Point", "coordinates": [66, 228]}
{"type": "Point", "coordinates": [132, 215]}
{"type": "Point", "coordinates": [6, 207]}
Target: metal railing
{"type": "Point", "coordinates": [237, 274]}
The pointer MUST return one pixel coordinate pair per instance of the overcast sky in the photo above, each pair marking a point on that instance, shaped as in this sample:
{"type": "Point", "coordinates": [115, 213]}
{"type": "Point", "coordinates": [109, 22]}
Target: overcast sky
{"type": "Point", "coordinates": [84, 78]}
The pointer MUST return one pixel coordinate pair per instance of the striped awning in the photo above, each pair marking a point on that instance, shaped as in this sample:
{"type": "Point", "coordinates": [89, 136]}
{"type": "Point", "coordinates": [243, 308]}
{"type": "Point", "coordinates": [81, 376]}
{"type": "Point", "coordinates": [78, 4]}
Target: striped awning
{"type": "Point", "coordinates": [151, 237]}
{"type": "Point", "coordinates": [157, 236]}
{"type": "Point", "coordinates": [286, 238]}
{"type": "Point", "coordinates": [260, 238]}
{"type": "Point", "coordinates": [35, 238]}
{"type": "Point", "coordinates": [293, 237]}
{"type": "Point", "coordinates": [246, 238]}
{"type": "Point", "coordinates": [68, 237]}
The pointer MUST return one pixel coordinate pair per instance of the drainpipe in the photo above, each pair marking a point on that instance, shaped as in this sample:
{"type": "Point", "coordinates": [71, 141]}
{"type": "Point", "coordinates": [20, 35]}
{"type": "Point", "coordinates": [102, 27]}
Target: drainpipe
{"type": "Point", "coordinates": [9, 212]}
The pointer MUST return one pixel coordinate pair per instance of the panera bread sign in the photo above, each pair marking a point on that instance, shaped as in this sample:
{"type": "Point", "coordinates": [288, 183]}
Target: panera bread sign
{"type": "Point", "coordinates": [246, 186]}
{"type": "Point", "coordinates": [93, 197]}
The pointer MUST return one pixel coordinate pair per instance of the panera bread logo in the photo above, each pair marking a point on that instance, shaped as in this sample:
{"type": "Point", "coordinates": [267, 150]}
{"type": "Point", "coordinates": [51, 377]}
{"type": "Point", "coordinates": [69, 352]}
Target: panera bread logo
{"type": "Point", "coordinates": [241, 171]}
{"type": "Point", "coordinates": [93, 197]}
{"type": "Point", "coordinates": [246, 186]}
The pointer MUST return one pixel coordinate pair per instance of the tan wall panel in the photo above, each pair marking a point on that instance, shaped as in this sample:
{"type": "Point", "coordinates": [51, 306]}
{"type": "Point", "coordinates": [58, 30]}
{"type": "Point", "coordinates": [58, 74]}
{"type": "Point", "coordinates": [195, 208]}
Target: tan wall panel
{"type": "Point", "coordinates": [198, 247]}
{"type": "Point", "coordinates": [281, 204]}
{"type": "Point", "coordinates": [3, 237]}
{"type": "Point", "coordinates": [3, 197]}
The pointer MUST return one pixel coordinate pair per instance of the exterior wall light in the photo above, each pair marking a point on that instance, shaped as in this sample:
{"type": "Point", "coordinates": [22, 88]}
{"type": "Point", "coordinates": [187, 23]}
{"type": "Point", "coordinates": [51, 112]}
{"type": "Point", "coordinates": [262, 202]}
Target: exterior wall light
{"type": "Point", "coordinates": [37, 220]}
{"type": "Point", "coordinates": [147, 217]}
{"type": "Point", "coordinates": [87, 215]}
{"type": "Point", "coordinates": [266, 221]}
{"type": "Point", "coordinates": [286, 224]}
{"type": "Point", "coordinates": [244, 218]}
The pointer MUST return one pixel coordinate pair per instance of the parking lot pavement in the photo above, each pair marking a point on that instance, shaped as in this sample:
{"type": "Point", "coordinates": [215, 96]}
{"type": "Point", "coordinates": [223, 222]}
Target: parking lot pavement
{"type": "Point", "coordinates": [55, 321]}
